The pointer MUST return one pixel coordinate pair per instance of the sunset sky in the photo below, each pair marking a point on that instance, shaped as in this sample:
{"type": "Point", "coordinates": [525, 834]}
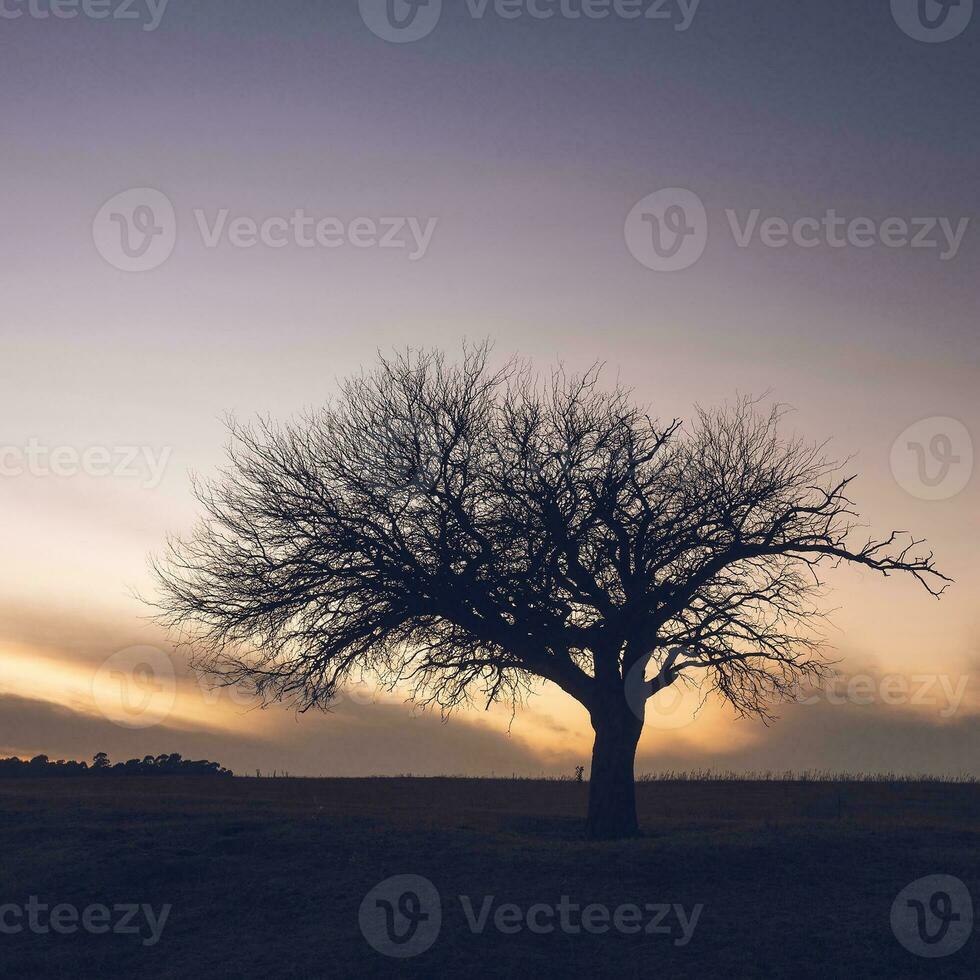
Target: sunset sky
{"type": "Point", "coordinates": [518, 148]}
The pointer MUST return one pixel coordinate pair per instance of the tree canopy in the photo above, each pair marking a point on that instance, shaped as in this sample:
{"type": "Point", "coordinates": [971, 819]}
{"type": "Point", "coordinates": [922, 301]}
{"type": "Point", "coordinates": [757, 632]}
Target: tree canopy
{"type": "Point", "coordinates": [466, 530]}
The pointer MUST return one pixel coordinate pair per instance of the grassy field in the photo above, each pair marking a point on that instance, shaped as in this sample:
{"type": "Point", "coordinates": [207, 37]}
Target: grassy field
{"type": "Point", "coordinates": [266, 877]}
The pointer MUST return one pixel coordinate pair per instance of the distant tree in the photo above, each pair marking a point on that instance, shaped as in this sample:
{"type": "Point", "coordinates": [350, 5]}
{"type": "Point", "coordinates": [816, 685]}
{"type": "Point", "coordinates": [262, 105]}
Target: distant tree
{"type": "Point", "coordinates": [40, 765]}
{"type": "Point", "coordinates": [470, 531]}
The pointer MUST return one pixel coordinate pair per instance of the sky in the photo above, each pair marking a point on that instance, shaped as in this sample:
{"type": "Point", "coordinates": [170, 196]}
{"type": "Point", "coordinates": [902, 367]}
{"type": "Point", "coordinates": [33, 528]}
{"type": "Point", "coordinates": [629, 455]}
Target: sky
{"type": "Point", "coordinates": [227, 207]}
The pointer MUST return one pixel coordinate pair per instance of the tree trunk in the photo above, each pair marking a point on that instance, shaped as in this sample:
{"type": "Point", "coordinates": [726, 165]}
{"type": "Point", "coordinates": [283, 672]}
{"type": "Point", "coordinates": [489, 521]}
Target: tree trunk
{"type": "Point", "coordinates": [612, 788]}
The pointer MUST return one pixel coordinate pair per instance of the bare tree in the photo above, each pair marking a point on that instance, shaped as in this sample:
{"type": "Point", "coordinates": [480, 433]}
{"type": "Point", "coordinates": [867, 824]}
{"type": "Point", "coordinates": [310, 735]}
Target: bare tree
{"type": "Point", "coordinates": [468, 531]}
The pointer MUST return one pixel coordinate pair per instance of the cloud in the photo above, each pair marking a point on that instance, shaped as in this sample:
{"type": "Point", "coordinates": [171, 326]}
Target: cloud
{"type": "Point", "coordinates": [388, 739]}
{"type": "Point", "coordinates": [356, 740]}
{"type": "Point", "coordinates": [866, 735]}
{"type": "Point", "coordinates": [46, 665]}
{"type": "Point", "coordinates": [78, 634]}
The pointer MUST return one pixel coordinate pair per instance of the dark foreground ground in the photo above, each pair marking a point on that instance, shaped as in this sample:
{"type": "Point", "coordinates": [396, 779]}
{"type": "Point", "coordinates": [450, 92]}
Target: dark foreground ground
{"type": "Point", "coordinates": [265, 878]}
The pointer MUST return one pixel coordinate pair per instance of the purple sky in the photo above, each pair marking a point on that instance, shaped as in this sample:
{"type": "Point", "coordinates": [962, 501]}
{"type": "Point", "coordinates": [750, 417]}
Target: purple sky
{"type": "Point", "coordinates": [522, 145]}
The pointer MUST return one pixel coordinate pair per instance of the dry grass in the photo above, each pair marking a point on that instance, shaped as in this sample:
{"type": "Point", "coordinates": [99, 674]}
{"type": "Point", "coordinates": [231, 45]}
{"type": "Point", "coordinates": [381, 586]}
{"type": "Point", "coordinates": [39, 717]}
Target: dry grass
{"type": "Point", "coordinates": [265, 876]}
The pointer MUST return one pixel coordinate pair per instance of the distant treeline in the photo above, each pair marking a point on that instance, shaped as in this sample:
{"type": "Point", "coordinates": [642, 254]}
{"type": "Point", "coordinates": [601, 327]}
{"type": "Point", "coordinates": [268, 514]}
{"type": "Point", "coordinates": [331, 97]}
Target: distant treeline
{"type": "Point", "coordinates": [161, 765]}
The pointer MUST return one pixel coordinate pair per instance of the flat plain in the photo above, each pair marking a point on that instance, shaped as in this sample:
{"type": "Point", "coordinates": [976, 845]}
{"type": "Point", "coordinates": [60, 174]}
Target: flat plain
{"type": "Point", "coordinates": [265, 877]}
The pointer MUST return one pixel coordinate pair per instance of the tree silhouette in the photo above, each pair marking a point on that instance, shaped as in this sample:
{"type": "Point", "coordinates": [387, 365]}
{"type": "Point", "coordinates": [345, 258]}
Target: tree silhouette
{"type": "Point", "coordinates": [469, 531]}
{"type": "Point", "coordinates": [163, 765]}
